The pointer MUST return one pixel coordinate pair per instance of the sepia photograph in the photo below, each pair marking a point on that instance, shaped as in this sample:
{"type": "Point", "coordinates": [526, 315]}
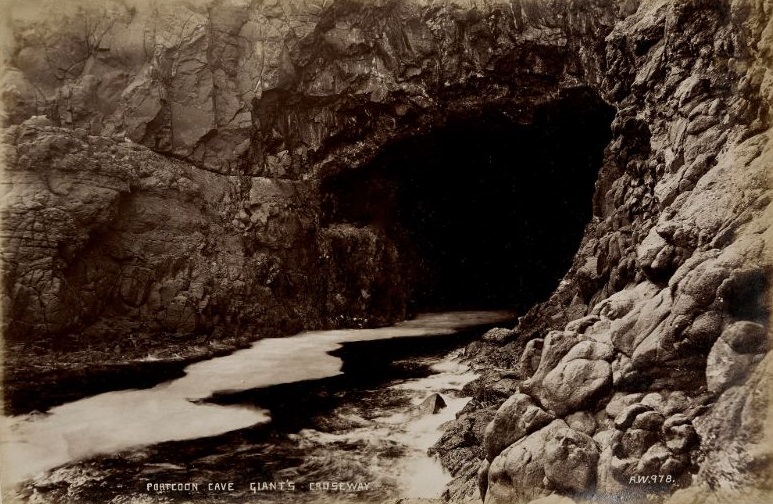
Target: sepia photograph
{"type": "Point", "coordinates": [386, 251]}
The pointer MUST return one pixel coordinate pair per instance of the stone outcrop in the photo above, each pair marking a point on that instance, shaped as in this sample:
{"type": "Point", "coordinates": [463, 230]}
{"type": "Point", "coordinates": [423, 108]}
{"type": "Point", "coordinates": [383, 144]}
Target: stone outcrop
{"type": "Point", "coordinates": [95, 226]}
{"type": "Point", "coordinates": [432, 404]}
{"type": "Point", "coordinates": [660, 329]}
{"type": "Point", "coordinates": [262, 104]}
{"type": "Point", "coordinates": [173, 187]}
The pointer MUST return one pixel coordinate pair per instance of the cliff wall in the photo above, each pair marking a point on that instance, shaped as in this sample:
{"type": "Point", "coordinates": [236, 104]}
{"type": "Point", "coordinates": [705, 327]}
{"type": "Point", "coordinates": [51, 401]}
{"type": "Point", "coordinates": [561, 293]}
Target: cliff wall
{"type": "Point", "coordinates": [174, 187]}
{"type": "Point", "coordinates": [262, 103]}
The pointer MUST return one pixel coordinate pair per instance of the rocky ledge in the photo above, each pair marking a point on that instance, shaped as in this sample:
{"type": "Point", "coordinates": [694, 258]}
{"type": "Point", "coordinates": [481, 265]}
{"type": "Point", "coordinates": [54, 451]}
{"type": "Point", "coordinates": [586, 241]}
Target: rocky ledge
{"type": "Point", "coordinates": [163, 182]}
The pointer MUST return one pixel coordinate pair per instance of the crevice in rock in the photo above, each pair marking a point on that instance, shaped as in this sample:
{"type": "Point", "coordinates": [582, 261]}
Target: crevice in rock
{"type": "Point", "coordinates": [487, 209]}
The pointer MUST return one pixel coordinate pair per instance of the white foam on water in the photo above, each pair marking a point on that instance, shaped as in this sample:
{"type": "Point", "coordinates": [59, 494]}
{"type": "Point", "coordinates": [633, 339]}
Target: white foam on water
{"type": "Point", "coordinates": [115, 421]}
{"type": "Point", "coordinates": [414, 473]}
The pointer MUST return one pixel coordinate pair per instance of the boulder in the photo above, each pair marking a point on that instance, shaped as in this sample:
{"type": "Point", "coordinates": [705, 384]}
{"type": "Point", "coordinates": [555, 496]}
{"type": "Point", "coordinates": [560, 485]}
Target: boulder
{"type": "Point", "coordinates": [582, 421]}
{"type": "Point", "coordinates": [746, 337]}
{"type": "Point", "coordinates": [625, 418]}
{"type": "Point", "coordinates": [432, 404]}
{"type": "Point", "coordinates": [516, 418]}
{"type": "Point", "coordinates": [555, 457]}
{"type": "Point", "coordinates": [679, 433]}
{"type": "Point", "coordinates": [517, 474]}
{"type": "Point", "coordinates": [530, 358]}
{"type": "Point", "coordinates": [499, 335]}
{"type": "Point", "coordinates": [570, 460]}
{"type": "Point", "coordinates": [726, 367]}
{"type": "Point", "coordinates": [575, 385]}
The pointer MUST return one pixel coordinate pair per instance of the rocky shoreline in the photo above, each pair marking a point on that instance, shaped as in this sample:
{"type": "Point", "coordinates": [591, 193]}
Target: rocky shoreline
{"type": "Point", "coordinates": [168, 176]}
{"type": "Point", "coordinates": [37, 378]}
{"type": "Point", "coordinates": [331, 429]}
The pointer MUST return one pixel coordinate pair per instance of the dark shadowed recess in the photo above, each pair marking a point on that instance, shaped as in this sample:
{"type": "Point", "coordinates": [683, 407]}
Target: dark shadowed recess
{"type": "Point", "coordinates": [488, 209]}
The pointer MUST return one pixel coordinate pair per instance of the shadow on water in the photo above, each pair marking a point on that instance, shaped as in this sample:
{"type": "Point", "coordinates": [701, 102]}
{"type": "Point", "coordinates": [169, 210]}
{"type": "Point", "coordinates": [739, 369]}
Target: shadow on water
{"type": "Point", "coordinates": [62, 386]}
{"type": "Point", "coordinates": [308, 440]}
{"type": "Point", "coordinates": [366, 364]}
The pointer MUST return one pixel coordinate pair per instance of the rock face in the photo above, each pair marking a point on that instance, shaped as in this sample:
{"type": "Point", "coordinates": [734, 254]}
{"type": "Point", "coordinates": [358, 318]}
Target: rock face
{"type": "Point", "coordinates": [262, 103]}
{"type": "Point", "coordinates": [111, 236]}
{"type": "Point", "coordinates": [164, 169]}
{"type": "Point", "coordinates": [659, 332]}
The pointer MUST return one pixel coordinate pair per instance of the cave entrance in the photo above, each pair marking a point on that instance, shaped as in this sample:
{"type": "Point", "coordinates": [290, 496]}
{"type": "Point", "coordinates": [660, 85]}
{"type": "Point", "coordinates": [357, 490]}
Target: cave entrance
{"type": "Point", "coordinates": [486, 211]}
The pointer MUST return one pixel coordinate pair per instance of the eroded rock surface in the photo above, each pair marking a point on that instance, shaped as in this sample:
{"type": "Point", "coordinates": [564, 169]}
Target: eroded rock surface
{"type": "Point", "coordinates": [660, 328]}
{"type": "Point", "coordinates": [163, 178]}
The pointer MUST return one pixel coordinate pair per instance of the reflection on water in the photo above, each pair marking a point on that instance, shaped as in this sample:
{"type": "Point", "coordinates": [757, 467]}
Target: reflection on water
{"type": "Point", "coordinates": [173, 411]}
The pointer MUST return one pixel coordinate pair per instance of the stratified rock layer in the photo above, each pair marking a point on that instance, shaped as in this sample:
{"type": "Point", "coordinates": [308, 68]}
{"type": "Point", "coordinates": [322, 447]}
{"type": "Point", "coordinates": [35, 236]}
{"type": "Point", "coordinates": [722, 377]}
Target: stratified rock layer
{"type": "Point", "coordinates": [173, 188]}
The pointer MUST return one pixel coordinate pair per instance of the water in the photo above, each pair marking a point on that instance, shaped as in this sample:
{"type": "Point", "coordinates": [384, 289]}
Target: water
{"type": "Point", "coordinates": [315, 397]}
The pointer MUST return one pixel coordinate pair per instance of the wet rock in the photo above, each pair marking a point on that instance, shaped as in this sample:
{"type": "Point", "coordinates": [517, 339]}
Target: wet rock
{"type": "Point", "coordinates": [432, 404]}
{"type": "Point", "coordinates": [463, 440]}
{"type": "Point", "coordinates": [499, 335]}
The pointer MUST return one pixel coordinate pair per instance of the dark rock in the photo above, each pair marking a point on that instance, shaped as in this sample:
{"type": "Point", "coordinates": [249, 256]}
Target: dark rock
{"type": "Point", "coordinates": [432, 404]}
{"type": "Point", "coordinates": [499, 335]}
{"type": "Point", "coordinates": [679, 433]}
{"type": "Point", "coordinates": [649, 420]}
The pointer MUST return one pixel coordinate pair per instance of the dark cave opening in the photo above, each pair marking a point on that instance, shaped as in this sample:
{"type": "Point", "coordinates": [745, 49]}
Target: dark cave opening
{"type": "Point", "coordinates": [486, 211]}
